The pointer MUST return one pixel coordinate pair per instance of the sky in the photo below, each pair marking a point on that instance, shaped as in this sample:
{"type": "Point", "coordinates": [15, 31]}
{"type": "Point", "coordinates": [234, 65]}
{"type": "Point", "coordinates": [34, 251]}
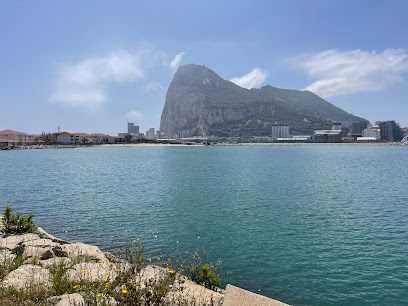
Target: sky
{"type": "Point", "coordinates": [91, 66]}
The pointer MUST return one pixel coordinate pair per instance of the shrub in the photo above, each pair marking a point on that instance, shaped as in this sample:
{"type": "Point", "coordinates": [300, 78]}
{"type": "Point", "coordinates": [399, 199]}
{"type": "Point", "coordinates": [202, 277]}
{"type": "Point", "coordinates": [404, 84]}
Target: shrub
{"type": "Point", "coordinates": [205, 275]}
{"type": "Point", "coordinates": [17, 223]}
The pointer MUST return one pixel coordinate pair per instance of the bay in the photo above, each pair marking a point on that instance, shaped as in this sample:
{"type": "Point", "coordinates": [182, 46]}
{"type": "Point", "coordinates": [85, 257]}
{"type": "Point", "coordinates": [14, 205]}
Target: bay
{"type": "Point", "coordinates": [307, 225]}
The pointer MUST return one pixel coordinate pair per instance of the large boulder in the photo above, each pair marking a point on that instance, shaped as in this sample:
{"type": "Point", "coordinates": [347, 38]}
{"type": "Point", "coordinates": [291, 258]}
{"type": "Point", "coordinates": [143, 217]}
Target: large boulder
{"type": "Point", "coordinates": [237, 296]}
{"type": "Point", "coordinates": [56, 261]}
{"type": "Point", "coordinates": [84, 251]}
{"type": "Point", "coordinates": [26, 276]}
{"type": "Point", "coordinates": [40, 243]}
{"type": "Point", "coordinates": [12, 241]}
{"type": "Point", "coordinates": [186, 291]}
{"type": "Point", "coordinates": [91, 271]}
{"type": "Point", "coordinates": [41, 253]}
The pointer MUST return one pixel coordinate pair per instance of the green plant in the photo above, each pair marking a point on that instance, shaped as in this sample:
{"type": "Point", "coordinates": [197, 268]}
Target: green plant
{"type": "Point", "coordinates": [205, 275]}
{"type": "Point", "coordinates": [17, 223]}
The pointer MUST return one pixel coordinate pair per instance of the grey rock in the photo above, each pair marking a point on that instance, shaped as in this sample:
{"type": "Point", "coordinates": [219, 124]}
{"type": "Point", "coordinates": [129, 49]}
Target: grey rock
{"type": "Point", "coordinates": [38, 252]}
{"type": "Point", "coordinates": [236, 296]}
{"type": "Point", "coordinates": [12, 241]}
{"type": "Point", "coordinates": [27, 275]}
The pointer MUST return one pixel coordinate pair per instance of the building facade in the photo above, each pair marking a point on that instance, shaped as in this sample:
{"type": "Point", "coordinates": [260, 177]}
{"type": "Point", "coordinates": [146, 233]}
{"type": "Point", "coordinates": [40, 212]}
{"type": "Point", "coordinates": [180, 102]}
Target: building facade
{"type": "Point", "coordinates": [327, 136]}
{"type": "Point", "coordinates": [372, 131]}
{"type": "Point", "coordinates": [280, 131]}
{"type": "Point", "coordinates": [336, 126]}
{"type": "Point", "coordinates": [17, 137]}
{"type": "Point", "coordinates": [132, 128]}
{"type": "Point", "coordinates": [390, 131]}
{"type": "Point", "coordinates": [358, 127]}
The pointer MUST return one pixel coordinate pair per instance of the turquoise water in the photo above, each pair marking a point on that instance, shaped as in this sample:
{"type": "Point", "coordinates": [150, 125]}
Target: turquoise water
{"type": "Point", "coordinates": [320, 225]}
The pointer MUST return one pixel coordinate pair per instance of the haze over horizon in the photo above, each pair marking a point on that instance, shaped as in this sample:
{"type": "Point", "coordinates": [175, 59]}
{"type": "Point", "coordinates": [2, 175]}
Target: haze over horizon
{"type": "Point", "coordinates": [90, 67]}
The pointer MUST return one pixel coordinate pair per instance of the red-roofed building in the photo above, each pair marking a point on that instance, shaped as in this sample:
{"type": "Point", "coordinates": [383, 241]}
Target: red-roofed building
{"type": "Point", "coordinates": [15, 136]}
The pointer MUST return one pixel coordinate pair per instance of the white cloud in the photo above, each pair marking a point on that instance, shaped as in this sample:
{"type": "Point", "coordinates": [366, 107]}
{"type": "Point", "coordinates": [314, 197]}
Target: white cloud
{"type": "Point", "coordinates": [349, 72]}
{"type": "Point", "coordinates": [253, 79]}
{"type": "Point", "coordinates": [153, 86]}
{"type": "Point", "coordinates": [134, 116]}
{"type": "Point", "coordinates": [85, 84]}
{"type": "Point", "coordinates": [175, 63]}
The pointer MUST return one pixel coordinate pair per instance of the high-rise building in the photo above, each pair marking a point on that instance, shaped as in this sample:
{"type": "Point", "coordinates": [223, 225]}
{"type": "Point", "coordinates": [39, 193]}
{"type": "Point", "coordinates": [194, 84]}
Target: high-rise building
{"type": "Point", "coordinates": [132, 128]}
{"type": "Point", "coordinates": [280, 131]}
{"type": "Point", "coordinates": [358, 127]}
{"type": "Point", "coordinates": [390, 131]}
{"type": "Point", "coordinates": [336, 126]}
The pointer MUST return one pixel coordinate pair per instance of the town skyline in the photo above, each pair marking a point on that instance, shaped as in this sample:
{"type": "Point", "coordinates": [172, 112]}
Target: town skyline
{"type": "Point", "coordinates": [117, 69]}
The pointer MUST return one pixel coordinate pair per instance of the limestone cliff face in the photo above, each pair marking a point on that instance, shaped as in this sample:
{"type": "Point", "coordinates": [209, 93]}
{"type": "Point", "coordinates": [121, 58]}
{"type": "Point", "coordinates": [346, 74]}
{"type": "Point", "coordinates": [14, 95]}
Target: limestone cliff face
{"type": "Point", "coordinates": [200, 101]}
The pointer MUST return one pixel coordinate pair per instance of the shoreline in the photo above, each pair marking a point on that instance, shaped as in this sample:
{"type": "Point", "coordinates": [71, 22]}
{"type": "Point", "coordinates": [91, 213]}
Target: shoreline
{"type": "Point", "coordinates": [118, 145]}
{"type": "Point", "coordinates": [35, 257]}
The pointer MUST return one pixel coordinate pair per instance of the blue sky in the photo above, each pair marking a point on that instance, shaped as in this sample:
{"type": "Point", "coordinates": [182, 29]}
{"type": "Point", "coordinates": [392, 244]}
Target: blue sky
{"type": "Point", "coordinates": [89, 66]}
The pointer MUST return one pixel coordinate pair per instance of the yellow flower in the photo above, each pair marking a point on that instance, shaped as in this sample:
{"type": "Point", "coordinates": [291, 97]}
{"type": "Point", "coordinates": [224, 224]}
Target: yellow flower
{"type": "Point", "coordinates": [104, 280]}
{"type": "Point", "coordinates": [84, 271]}
{"type": "Point", "coordinates": [99, 261]}
{"type": "Point", "coordinates": [111, 263]}
{"type": "Point", "coordinates": [96, 278]}
{"type": "Point", "coordinates": [118, 270]}
{"type": "Point", "coordinates": [76, 286]}
{"type": "Point", "coordinates": [107, 284]}
{"type": "Point", "coordinates": [171, 271]}
{"type": "Point", "coordinates": [124, 291]}
{"type": "Point", "coordinates": [99, 295]}
{"type": "Point", "coordinates": [67, 277]}
{"type": "Point", "coordinates": [107, 276]}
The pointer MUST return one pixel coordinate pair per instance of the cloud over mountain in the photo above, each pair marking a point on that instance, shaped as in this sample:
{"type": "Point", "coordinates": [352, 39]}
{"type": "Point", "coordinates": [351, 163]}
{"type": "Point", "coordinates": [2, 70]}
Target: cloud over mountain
{"type": "Point", "coordinates": [253, 79]}
{"type": "Point", "coordinates": [349, 72]}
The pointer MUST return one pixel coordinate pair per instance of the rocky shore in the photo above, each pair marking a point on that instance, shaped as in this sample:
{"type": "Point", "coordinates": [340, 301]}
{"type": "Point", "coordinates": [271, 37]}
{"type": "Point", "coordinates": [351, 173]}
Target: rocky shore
{"type": "Point", "coordinates": [42, 253]}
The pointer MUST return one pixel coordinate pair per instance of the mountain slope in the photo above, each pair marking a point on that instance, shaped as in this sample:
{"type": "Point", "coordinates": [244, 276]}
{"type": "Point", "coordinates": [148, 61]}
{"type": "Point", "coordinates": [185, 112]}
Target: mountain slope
{"type": "Point", "coordinates": [202, 102]}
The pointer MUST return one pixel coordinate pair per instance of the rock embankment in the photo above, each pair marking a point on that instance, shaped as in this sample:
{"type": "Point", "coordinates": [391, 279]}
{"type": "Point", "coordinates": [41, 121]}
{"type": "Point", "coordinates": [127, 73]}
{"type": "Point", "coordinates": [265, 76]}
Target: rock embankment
{"type": "Point", "coordinates": [41, 252]}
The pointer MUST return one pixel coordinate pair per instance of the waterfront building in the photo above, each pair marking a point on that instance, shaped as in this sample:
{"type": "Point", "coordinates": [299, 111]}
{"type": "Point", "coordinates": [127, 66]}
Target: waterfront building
{"type": "Point", "coordinates": [372, 131]}
{"type": "Point", "coordinates": [327, 136]}
{"type": "Point", "coordinates": [280, 131]}
{"type": "Point", "coordinates": [65, 138]}
{"type": "Point", "coordinates": [358, 127]}
{"type": "Point", "coordinates": [336, 126]}
{"type": "Point", "coordinates": [82, 138]}
{"type": "Point", "coordinates": [390, 131]}
{"type": "Point", "coordinates": [98, 138]}
{"type": "Point", "coordinates": [17, 137]}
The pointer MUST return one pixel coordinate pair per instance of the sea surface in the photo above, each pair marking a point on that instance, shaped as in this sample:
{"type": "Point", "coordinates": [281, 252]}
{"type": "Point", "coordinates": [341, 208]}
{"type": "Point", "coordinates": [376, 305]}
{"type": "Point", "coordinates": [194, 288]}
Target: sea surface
{"type": "Point", "coordinates": [307, 225]}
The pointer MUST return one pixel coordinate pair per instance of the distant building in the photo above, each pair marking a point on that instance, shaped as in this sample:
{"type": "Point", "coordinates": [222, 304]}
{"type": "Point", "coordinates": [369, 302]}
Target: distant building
{"type": "Point", "coordinates": [132, 128]}
{"type": "Point", "coordinates": [371, 131]}
{"type": "Point", "coordinates": [150, 134]}
{"type": "Point", "coordinates": [17, 137]}
{"type": "Point", "coordinates": [66, 138]}
{"type": "Point", "coordinates": [327, 136]}
{"type": "Point", "coordinates": [390, 131]}
{"type": "Point", "coordinates": [98, 138]}
{"type": "Point", "coordinates": [336, 126]}
{"type": "Point", "coordinates": [280, 131]}
{"type": "Point", "coordinates": [358, 127]}
{"type": "Point", "coordinates": [82, 138]}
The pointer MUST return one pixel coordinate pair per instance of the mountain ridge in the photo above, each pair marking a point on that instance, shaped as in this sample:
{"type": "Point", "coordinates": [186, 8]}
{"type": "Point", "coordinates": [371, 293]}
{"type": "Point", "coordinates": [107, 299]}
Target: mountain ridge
{"type": "Point", "coordinates": [201, 102]}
